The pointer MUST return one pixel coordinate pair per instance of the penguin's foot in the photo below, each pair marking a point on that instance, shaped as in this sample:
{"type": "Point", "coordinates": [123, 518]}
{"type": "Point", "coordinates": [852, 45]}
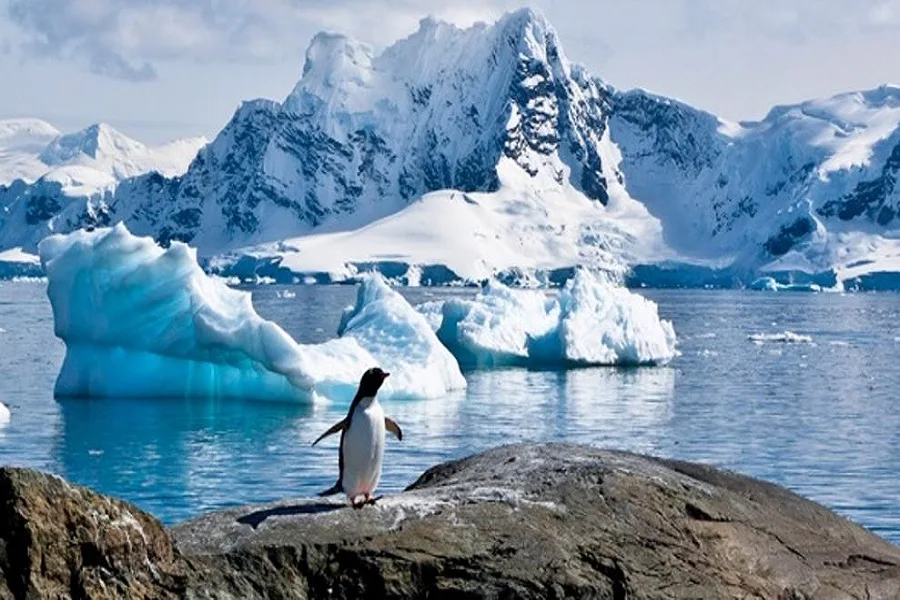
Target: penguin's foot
{"type": "Point", "coordinates": [372, 499]}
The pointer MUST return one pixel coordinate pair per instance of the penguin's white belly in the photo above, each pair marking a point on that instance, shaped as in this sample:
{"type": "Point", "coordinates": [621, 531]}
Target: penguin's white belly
{"type": "Point", "coordinates": [363, 450]}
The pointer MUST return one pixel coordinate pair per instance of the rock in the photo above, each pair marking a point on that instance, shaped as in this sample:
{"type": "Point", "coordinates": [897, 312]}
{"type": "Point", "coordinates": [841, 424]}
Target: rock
{"type": "Point", "coordinates": [522, 521]}
{"type": "Point", "coordinates": [547, 521]}
{"type": "Point", "coordinates": [63, 541]}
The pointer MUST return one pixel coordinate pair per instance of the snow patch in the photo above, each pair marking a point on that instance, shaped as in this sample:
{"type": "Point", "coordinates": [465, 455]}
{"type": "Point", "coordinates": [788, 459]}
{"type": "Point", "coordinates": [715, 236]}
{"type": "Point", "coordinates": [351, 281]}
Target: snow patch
{"type": "Point", "coordinates": [17, 255]}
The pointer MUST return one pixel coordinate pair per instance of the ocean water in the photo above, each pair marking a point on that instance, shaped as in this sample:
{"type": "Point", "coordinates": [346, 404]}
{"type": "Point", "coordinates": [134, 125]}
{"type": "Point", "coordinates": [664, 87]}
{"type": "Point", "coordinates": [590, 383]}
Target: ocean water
{"type": "Point", "coordinates": [819, 417]}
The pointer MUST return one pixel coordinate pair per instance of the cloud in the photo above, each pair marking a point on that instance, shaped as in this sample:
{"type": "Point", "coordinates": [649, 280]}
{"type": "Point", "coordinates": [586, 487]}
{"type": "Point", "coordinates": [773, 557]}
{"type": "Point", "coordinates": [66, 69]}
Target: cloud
{"type": "Point", "coordinates": [124, 38]}
{"type": "Point", "coordinates": [797, 21]}
{"type": "Point", "coordinates": [113, 65]}
{"type": "Point", "coordinates": [134, 39]}
{"type": "Point", "coordinates": [127, 39]}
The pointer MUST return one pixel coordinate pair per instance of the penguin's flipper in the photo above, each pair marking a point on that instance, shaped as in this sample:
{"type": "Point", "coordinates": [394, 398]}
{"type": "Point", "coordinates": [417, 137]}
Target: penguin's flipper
{"type": "Point", "coordinates": [339, 426]}
{"type": "Point", "coordinates": [392, 426]}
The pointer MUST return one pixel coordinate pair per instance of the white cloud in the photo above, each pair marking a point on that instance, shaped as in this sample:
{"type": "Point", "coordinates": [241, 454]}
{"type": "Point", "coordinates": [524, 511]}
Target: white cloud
{"type": "Point", "coordinates": [733, 57]}
{"type": "Point", "coordinates": [124, 38]}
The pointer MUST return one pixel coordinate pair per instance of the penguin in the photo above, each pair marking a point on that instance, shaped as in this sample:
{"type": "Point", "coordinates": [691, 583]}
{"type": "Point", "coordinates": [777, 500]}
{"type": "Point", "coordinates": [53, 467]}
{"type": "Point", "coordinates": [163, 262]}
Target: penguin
{"type": "Point", "coordinates": [362, 442]}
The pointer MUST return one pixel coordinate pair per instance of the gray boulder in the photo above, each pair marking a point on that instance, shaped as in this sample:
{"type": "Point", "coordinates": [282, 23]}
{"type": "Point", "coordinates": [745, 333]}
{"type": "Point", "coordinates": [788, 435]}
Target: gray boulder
{"type": "Point", "coordinates": [548, 521]}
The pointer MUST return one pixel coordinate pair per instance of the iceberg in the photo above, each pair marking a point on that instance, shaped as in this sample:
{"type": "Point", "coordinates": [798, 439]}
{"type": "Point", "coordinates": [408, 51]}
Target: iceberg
{"type": "Point", "coordinates": [493, 329]}
{"type": "Point", "coordinates": [770, 284]}
{"type": "Point", "coordinates": [142, 321]}
{"type": "Point", "coordinates": [385, 324]}
{"type": "Point", "coordinates": [4, 415]}
{"type": "Point", "coordinates": [592, 321]}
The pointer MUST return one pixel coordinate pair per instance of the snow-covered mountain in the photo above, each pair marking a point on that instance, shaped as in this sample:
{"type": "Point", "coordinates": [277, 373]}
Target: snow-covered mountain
{"type": "Point", "coordinates": [44, 172]}
{"type": "Point", "coordinates": [810, 188]}
{"type": "Point", "coordinates": [21, 143]}
{"type": "Point", "coordinates": [31, 148]}
{"type": "Point", "coordinates": [463, 153]}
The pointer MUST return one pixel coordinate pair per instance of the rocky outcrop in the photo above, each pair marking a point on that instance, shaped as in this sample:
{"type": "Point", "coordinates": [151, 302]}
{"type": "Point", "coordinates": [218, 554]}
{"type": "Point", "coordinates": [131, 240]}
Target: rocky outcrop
{"type": "Point", "coordinates": [551, 521]}
{"type": "Point", "coordinates": [63, 541]}
{"type": "Point", "coordinates": [523, 521]}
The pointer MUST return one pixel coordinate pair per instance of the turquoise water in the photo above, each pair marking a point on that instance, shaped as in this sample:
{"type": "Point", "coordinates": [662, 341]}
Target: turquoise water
{"type": "Point", "coordinates": [820, 418]}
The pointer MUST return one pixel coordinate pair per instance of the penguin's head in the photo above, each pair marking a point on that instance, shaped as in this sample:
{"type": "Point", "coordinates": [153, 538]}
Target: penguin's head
{"type": "Point", "coordinates": [371, 381]}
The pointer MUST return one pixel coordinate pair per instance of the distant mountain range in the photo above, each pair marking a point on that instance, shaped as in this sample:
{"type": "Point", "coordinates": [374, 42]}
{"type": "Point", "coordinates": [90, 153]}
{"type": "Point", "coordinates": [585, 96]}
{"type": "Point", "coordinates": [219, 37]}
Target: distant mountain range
{"type": "Point", "coordinates": [459, 154]}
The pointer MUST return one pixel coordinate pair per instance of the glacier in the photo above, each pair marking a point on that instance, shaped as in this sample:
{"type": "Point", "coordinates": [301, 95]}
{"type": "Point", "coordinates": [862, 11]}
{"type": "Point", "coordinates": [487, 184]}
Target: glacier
{"type": "Point", "coordinates": [593, 320]}
{"type": "Point", "coordinates": [142, 321]}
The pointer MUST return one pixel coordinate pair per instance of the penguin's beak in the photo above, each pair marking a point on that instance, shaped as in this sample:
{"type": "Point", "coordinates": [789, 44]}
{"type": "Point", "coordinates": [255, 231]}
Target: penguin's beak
{"type": "Point", "coordinates": [386, 375]}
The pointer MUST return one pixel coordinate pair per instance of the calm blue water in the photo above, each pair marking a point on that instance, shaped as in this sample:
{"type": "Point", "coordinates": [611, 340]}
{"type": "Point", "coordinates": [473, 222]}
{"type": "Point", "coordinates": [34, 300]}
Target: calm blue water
{"type": "Point", "coordinates": [819, 418]}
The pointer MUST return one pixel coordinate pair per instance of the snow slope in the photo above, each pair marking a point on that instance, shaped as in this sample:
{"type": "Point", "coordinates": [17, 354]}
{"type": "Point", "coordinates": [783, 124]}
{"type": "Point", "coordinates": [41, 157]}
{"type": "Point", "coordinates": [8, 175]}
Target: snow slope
{"type": "Point", "coordinates": [142, 321]}
{"type": "Point", "coordinates": [464, 154]}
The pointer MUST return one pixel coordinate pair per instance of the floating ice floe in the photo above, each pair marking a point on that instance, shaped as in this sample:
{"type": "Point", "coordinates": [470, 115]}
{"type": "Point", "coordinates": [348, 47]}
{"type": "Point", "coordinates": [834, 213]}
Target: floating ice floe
{"type": "Point", "coordinates": [770, 284]}
{"type": "Point", "coordinates": [785, 337]}
{"type": "Point", "coordinates": [141, 321]}
{"type": "Point", "coordinates": [4, 414]}
{"type": "Point", "coordinates": [593, 321]}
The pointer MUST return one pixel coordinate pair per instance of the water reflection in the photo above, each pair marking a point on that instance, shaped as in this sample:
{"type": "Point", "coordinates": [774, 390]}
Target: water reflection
{"type": "Point", "coordinates": [622, 408]}
{"type": "Point", "coordinates": [175, 456]}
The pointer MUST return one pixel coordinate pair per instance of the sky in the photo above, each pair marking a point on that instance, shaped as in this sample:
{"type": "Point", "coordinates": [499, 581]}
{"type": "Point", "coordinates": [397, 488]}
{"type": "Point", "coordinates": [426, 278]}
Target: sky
{"type": "Point", "coordinates": [161, 69]}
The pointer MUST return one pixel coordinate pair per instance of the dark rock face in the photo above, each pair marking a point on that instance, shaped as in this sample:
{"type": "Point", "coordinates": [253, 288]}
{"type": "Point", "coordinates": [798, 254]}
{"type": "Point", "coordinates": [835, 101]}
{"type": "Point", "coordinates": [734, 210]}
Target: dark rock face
{"type": "Point", "coordinates": [547, 521]}
{"type": "Point", "coordinates": [523, 521]}
{"type": "Point", "coordinates": [788, 236]}
{"type": "Point", "coordinates": [872, 197]}
{"type": "Point", "coordinates": [64, 541]}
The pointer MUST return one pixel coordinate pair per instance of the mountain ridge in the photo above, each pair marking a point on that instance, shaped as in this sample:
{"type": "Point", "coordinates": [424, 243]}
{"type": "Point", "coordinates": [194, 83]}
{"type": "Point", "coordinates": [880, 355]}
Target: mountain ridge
{"type": "Point", "coordinates": [483, 151]}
